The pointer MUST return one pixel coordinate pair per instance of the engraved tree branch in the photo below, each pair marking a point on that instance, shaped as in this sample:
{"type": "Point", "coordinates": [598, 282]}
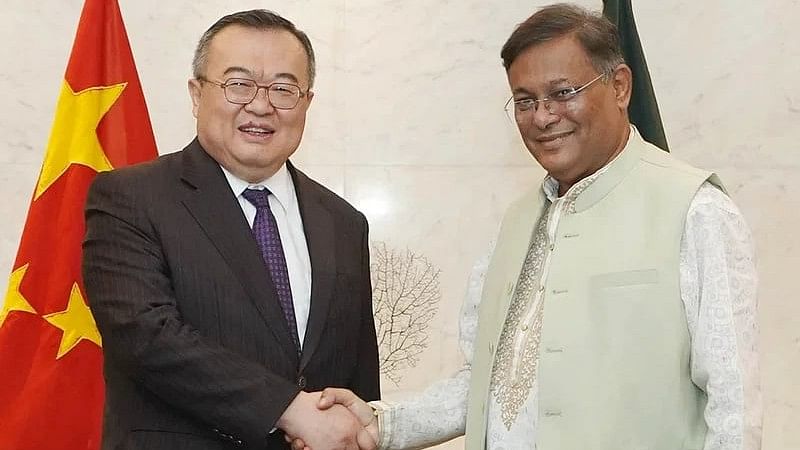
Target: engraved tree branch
{"type": "Point", "coordinates": [405, 296]}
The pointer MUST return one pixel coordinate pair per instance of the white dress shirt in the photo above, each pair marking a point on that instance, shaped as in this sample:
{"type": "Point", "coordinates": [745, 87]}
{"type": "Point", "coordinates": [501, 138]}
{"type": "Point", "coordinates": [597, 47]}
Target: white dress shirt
{"type": "Point", "coordinates": [284, 206]}
{"type": "Point", "coordinates": [718, 288]}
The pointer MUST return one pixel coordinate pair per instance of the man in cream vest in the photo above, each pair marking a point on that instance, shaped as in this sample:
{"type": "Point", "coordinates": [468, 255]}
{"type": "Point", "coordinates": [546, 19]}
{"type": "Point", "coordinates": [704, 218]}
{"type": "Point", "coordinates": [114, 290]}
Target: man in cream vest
{"type": "Point", "coordinates": [617, 310]}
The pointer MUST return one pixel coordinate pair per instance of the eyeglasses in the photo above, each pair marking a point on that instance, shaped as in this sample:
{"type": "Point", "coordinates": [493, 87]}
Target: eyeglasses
{"type": "Point", "coordinates": [555, 102]}
{"type": "Point", "coordinates": [241, 91]}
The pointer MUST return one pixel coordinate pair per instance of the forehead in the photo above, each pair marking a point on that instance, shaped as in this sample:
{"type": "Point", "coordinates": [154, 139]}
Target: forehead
{"type": "Point", "coordinates": [561, 59]}
{"type": "Point", "coordinates": [262, 52]}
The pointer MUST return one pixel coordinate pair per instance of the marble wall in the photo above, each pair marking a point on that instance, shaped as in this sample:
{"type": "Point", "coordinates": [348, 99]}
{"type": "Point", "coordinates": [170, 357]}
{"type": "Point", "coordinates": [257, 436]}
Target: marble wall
{"type": "Point", "coordinates": [408, 124]}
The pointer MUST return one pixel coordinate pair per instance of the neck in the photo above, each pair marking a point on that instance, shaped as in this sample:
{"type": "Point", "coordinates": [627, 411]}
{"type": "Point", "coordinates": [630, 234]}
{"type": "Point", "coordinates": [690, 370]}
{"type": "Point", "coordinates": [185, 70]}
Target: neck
{"type": "Point", "coordinates": [565, 185]}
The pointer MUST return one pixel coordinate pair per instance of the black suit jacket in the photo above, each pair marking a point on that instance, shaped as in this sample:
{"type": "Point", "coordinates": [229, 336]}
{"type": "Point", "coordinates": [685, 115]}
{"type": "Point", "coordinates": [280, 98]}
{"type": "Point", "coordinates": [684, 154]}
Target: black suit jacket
{"type": "Point", "coordinates": [197, 352]}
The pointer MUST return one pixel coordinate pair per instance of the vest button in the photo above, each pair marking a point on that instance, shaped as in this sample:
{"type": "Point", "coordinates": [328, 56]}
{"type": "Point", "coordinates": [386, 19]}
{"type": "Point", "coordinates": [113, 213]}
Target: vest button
{"type": "Point", "coordinates": [301, 382]}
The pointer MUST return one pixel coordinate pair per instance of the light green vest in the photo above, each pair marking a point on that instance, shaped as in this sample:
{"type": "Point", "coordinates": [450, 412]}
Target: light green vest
{"type": "Point", "coordinates": [614, 353]}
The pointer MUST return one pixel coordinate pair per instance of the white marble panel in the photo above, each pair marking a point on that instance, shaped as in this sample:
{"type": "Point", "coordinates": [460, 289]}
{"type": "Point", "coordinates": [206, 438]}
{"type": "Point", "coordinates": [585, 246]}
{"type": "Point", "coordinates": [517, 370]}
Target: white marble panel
{"type": "Point", "coordinates": [770, 199]}
{"type": "Point", "coordinates": [725, 73]}
{"type": "Point", "coordinates": [36, 40]}
{"type": "Point", "coordinates": [424, 73]}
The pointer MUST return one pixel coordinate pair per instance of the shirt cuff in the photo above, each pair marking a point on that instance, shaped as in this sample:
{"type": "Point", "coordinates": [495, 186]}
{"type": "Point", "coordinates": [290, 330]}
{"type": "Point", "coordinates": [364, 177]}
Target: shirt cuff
{"type": "Point", "coordinates": [383, 413]}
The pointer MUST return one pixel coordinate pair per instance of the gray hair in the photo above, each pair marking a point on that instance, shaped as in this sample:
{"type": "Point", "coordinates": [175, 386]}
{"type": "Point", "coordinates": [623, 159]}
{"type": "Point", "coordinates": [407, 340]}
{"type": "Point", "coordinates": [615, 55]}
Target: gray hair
{"type": "Point", "coordinates": [260, 19]}
{"type": "Point", "coordinates": [596, 34]}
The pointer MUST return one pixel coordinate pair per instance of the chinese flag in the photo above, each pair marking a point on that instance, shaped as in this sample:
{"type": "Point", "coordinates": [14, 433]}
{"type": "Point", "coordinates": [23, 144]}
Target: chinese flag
{"type": "Point", "coordinates": [51, 381]}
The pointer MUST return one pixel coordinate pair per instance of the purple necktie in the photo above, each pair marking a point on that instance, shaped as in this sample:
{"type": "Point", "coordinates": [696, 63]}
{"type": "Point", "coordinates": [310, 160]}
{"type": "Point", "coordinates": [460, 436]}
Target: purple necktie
{"type": "Point", "coordinates": [265, 230]}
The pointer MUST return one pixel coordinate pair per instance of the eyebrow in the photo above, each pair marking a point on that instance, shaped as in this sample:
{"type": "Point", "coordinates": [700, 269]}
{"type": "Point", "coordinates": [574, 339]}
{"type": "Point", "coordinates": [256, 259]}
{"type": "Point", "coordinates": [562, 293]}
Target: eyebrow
{"type": "Point", "coordinates": [238, 69]}
{"type": "Point", "coordinates": [248, 72]}
{"type": "Point", "coordinates": [551, 84]}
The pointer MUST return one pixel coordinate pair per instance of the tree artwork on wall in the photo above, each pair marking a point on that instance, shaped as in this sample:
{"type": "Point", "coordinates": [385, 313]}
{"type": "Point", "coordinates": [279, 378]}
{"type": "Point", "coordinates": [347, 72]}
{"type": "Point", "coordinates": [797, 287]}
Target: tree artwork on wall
{"type": "Point", "coordinates": [405, 297]}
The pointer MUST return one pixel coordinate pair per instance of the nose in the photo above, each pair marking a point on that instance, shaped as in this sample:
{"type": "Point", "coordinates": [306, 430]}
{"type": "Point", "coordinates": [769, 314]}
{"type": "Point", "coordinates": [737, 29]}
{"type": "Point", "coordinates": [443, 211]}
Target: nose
{"type": "Point", "coordinates": [260, 105]}
{"type": "Point", "coordinates": [543, 116]}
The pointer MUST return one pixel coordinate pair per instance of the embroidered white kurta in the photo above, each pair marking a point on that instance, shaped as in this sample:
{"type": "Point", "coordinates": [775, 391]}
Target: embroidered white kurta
{"type": "Point", "coordinates": [718, 288]}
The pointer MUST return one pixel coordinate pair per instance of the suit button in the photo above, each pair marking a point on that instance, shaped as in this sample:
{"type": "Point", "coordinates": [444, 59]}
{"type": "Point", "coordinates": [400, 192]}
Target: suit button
{"type": "Point", "coordinates": [301, 382]}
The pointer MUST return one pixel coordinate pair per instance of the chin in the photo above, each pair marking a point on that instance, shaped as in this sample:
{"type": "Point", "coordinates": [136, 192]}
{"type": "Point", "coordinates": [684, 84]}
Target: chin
{"type": "Point", "coordinates": [554, 161]}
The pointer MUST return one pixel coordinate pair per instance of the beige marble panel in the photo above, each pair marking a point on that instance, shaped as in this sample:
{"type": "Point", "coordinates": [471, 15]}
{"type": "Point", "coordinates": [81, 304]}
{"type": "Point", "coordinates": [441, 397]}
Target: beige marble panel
{"type": "Point", "coordinates": [425, 73]}
{"type": "Point", "coordinates": [770, 199]}
{"type": "Point", "coordinates": [726, 76]}
{"type": "Point", "coordinates": [34, 48]}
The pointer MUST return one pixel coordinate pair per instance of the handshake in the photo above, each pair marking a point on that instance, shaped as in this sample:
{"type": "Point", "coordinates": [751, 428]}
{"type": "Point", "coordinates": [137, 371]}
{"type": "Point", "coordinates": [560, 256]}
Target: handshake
{"type": "Point", "coordinates": [333, 419]}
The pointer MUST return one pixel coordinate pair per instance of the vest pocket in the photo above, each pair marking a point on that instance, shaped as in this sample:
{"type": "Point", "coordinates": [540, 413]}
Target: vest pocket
{"type": "Point", "coordinates": [621, 288]}
{"type": "Point", "coordinates": [623, 279]}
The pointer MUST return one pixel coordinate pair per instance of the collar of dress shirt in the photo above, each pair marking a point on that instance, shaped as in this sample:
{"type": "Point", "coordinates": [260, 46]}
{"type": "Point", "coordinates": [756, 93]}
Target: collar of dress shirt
{"type": "Point", "coordinates": [280, 184]}
{"type": "Point", "coordinates": [550, 184]}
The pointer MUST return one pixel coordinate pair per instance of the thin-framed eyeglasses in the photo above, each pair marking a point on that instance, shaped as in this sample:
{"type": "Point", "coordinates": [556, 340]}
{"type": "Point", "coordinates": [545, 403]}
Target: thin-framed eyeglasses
{"type": "Point", "coordinates": [241, 91]}
{"type": "Point", "coordinates": [554, 102]}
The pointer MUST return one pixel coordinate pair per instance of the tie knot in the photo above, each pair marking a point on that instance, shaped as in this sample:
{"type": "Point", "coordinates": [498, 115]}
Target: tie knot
{"type": "Point", "coordinates": [258, 197]}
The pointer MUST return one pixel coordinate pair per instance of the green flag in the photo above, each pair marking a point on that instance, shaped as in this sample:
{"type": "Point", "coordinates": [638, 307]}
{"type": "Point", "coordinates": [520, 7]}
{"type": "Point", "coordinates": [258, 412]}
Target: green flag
{"type": "Point", "coordinates": [643, 109]}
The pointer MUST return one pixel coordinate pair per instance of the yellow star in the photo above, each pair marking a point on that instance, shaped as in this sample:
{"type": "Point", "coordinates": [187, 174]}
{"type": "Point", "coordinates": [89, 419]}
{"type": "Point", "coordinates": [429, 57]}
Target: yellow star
{"type": "Point", "coordinates": [76, 322]}
{"type": "Point", "coordinates": [14, 299]}
{"type": "Point", "coordinates": [74, 138]}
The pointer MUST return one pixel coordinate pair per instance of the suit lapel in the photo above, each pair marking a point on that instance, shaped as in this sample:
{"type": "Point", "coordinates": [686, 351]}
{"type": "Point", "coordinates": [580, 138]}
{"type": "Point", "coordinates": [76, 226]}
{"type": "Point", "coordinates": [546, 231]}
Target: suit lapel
{"type": "Point", "coordinates": [215, 208]}
{"type": "Point", "coordinates": [320, 236]}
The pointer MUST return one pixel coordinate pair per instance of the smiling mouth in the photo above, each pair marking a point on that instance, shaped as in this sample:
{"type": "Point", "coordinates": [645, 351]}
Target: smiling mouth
{"type": "Point", "coordinates": [552, 137]}
{"type": "Point", "coordinates": [552, 142]}
{"type": "Point", "coordinates": [256, 131]}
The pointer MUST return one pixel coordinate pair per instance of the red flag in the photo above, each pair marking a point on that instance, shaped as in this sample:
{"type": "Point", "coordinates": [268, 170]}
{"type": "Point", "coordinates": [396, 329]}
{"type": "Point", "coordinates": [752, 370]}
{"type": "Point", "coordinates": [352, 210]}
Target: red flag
{"type": "Point", "coordinates": [51, 384]}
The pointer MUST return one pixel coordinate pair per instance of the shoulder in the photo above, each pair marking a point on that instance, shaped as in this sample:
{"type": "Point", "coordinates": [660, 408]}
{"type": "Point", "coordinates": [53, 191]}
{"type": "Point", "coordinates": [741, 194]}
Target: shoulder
{"type": "Point", "coordinates": [659, 159]}
{"type": "Point", "coordinates": [309, 189]}
{"type": "Point", "coordinates": [136, 187]}
{"type": "Point", "coordinates": [667, 175]}
{"type": "Point", "coordinates": [711, 204]}
{"type": "Point", "coordinates": [141, 175]}
{"type": "Point", "coordinates": [714, 221]}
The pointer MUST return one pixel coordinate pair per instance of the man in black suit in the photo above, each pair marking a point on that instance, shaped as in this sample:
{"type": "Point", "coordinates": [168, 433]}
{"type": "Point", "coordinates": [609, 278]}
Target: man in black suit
{"type": "Point", "coordinates": [227, 285]}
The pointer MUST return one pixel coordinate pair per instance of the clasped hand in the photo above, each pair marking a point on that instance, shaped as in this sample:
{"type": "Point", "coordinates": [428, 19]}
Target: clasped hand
{"type": "Point", "coordinates": [334, 419]}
